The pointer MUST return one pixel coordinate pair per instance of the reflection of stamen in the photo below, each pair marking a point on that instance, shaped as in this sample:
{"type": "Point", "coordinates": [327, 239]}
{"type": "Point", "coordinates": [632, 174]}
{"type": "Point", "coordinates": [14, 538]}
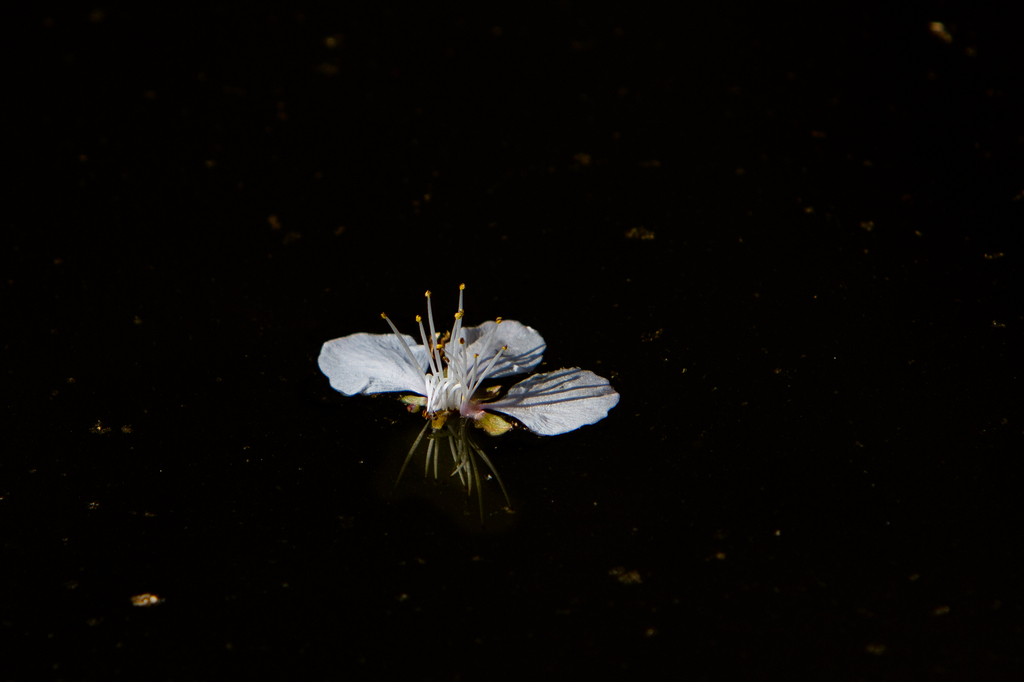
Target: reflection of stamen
{"type": "Point", "coordinates": [415, 445]}
{"type": "Point", "coordinates": [464, 451]}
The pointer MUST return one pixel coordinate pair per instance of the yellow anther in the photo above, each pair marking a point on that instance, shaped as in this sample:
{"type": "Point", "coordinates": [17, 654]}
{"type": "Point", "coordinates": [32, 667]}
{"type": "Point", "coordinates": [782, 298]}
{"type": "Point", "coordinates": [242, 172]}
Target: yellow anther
{"type": "Point", "coordinates": [427, 294]}
{"type": "Point", "coordinates": [419, 319]}
{"type": "Point", "coordinates": [458, 315]}
{"type": "Point", "coordinates": [462, 287]}
{"type": "Point", "coordinates": [384, 316]}
{"type": "Point", "coordinates": [497, 321]}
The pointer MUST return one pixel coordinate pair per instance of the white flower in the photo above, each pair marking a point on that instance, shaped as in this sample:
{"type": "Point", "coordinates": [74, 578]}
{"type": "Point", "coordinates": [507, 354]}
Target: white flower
{"type": "Point", "coordinates": [448, 372]}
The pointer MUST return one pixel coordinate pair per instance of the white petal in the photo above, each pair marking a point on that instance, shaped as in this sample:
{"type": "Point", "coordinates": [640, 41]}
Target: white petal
{"type": "Point", "coordinates": [558, 402]}
{"type": "Point", "coordinates": [525, 347]}
{"type": "Point", "coordinates": [373, 363]}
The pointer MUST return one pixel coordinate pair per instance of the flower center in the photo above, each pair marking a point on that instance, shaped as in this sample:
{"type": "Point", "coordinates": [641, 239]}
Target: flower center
{"type": "Point", "coordinates": [452, 377]}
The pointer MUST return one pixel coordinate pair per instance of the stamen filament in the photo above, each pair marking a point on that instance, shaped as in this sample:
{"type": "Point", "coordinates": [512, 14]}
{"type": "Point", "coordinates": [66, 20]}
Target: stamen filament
{"type": "Point", "coordinates": [459, 315]}
{"type": "Point", "coordinates": [408, 351]}
{"type": "Point", "coordinates": [430, 355]}
{"type": "Point", "coordinates": [493, 330]}
{"type": "Point", "coordinates": [457, 327]}
{"type": "Point", "coordinates": [433, 335]}
{"type": "Point", "coordinates": [487, 371]}
{"type": "Point", "coordinates": [472, 376]}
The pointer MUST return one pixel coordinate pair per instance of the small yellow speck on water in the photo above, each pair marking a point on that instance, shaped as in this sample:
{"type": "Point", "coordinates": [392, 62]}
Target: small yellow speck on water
{"type": "Point", "coordinates": [626, 577]}
{"type": "Point", "coordinates": [938, 29]}
{"type": "Point", "coordinates": [145, 599]}
{"type": "Point", "coordinates": [640, 232]}
{"type": "Point", "coordinates": [651, 336]}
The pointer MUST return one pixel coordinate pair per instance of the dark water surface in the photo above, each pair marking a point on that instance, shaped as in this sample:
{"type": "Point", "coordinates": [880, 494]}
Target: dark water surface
{"type": "Point", "coordinates": [785, 238]}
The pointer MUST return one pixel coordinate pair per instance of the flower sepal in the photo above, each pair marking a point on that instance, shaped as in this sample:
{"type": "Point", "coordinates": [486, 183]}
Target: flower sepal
{"type": "Point", "coordinates": [492, 424]}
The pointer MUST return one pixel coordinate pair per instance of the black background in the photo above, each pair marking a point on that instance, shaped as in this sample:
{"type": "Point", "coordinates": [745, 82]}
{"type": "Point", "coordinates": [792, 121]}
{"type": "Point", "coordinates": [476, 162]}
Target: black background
{"type": "Point", "coordinates": [784, 235]}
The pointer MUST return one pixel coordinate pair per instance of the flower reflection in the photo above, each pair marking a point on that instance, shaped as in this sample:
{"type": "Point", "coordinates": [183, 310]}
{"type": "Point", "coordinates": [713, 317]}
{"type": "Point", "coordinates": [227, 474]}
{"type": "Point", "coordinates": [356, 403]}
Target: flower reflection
{"type": "Point", "coordinates": [464, 451]}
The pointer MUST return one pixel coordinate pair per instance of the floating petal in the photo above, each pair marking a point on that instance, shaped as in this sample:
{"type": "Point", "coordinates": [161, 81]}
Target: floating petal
{"type": "Point", "coordinates": [373, 363]}
{"type": "Point", "coordinates": [525, 346]}
{"type": "Point", "coordinates": [558, 402]}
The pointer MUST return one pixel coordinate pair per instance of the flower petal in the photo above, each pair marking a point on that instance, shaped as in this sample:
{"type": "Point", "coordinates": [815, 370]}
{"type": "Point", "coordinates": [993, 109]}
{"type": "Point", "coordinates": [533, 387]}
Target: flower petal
{"type": "Point", "coordinates": [525, 347]}
{"type": "Point", "coordinates": [373, 363]}
{"type": "Point", "coordinates": [558, 402]}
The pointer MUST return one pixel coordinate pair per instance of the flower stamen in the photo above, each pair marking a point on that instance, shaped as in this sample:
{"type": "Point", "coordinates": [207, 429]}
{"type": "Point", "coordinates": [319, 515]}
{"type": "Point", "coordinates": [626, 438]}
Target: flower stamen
{"type": "Point", "coordinates": [430, 355]}
{"type": "Point", "coordinates": [490, 366]}
{"type": "Point", "coordinates": [408, 351]}
{"type": "Point", "coordinates": [432, 347]}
